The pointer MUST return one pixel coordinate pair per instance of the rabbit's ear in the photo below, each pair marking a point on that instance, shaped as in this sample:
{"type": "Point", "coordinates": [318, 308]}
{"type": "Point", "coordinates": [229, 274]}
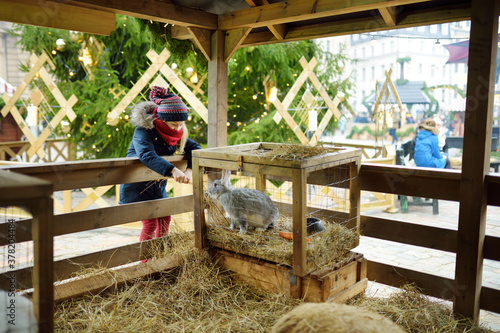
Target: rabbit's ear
{"type": "Point", "coordinates": [226, 178]}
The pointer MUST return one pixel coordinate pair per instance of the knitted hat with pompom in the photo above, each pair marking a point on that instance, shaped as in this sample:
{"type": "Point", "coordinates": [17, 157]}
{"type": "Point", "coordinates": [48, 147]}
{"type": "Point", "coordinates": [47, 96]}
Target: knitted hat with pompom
{"type": "Point", "coordinates": [170, 106]}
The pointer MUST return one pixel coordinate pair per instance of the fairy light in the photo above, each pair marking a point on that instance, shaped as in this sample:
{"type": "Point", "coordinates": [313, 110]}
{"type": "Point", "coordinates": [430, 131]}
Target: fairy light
{"type": "Point", "coordinates": [247, 68]}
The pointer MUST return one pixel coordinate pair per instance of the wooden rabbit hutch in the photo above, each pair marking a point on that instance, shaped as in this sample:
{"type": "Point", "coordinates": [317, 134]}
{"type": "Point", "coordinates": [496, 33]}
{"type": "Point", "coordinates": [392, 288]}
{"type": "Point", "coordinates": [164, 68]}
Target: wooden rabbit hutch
{"type": "Point", "coordinates": [315, 266]}
{"type": "Point", "coordinates": [218, 36]}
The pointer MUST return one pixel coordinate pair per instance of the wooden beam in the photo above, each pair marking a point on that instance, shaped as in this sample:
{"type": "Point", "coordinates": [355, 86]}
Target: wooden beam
{"type": "Point", "coordinates": [299, 10]}
{"type": "Point", "coordinates": [299, 221]}
{"type": "Point", "coordinates": [432, 285]}
{"type": "Point", "coordinates": [476, 156]}
{"type": "Point", "coordinates": [445, 14]}
{"type": "Point", "coordinates": [91, 219]}
{"type": "Point", "coordinates": [156, 10]}
{"type": "Point", "coordinates": [278, 30]}
{"type": "Point", "coordinates": [43, 273]}
{"type": "Point", "coordinates": [217, 93]}
{"type": "Point", "coordinates": [180, 32]}
{"type": "Point", "coordinates": [409, 233]}
{"type": "Point", "coordinates": [58, 15]}
{"type": "Point", "coordinates": [93, 173]}
{"type": "Point", "coordinates": [390, 15]}
{"type": "Point", "coordinates": [234, 38]}
{"type": "Point", "coordinates": [202, 39]}
{"type": "Point", "coordinates": [113, 278]}
{"type": "Point", "coordinates": [422, 182]}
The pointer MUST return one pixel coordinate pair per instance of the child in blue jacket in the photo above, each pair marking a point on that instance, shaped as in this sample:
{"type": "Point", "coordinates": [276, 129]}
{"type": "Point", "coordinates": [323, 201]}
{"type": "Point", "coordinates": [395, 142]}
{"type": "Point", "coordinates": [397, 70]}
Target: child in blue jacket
{"type": "Point", "coordinates": [160, 130]}
{"type": "Point", "coordinates": [427, 153]}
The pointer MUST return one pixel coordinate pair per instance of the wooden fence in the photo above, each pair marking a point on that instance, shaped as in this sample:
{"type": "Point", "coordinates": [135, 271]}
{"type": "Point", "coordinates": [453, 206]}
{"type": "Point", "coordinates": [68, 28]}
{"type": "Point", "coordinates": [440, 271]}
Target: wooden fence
{"type": "Point", "coordinates": [54, 148]}
{"type": "Point", "coordinates": [439, 184]}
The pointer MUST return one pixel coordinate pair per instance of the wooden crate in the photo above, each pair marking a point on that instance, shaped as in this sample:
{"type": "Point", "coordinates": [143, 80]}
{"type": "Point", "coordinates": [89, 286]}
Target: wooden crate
{"type": "Point", "coordinates": [334, 284]}
{"type": "Point", "coordinates": [339, 166]}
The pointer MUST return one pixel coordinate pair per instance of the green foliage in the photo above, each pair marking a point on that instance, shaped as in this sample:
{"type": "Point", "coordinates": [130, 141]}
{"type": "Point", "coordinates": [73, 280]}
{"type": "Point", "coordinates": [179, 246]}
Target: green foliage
{"type": "Point", "coordinates": [276, 64]}
{"type": "Point", "coordinates": [366, 128]}
{"type": "Point", "coordinates": [252, 72]}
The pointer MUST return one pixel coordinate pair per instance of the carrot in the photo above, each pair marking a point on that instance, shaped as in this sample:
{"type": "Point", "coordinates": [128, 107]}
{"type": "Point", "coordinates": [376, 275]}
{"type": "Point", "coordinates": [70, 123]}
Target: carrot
{"type": "Point", "coordinates": [289, 235]}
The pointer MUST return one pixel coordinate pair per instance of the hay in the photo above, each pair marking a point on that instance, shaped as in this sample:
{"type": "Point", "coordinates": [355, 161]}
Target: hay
{"type": "Point", "coordinates": [198, 296]}
{"type": "Point", "coordinates": [324, 248]}
{"type": "Point", "coordinates": [417, 313]}
{"type": "Point", "coordinates": [333, 318]}
{"type": "Point", "coordinates": [294, 152]}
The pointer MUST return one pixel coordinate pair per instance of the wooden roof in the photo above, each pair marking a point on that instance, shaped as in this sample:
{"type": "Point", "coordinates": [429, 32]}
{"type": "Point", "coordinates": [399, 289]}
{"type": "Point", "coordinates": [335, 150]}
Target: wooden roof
{"type": "Point", "coordinates": [262, 22]}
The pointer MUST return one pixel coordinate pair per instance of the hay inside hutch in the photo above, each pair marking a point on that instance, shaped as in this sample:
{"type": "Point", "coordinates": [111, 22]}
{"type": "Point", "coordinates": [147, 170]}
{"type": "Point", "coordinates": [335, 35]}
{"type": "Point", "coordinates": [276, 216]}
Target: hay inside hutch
{"type": "Point", "coordinates": [307, 184]}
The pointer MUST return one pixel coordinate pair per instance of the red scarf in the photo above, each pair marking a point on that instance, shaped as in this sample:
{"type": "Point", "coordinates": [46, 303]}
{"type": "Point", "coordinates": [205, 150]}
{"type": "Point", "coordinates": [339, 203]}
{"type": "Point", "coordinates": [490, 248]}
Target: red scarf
{"type": "Point", "coordinates": [168, 134]}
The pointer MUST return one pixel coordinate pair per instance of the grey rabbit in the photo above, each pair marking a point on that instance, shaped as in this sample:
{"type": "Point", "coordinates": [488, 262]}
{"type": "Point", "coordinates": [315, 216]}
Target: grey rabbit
{"type": "Point", "coordinates": [246, 207]}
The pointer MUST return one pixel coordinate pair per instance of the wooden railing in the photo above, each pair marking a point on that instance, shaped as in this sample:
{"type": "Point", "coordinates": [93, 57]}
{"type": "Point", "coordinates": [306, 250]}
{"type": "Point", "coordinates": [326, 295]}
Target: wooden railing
{"type": "Point", "coordinates": [439, 184]}
{"type": "Point", "coordinates": [54, 148]}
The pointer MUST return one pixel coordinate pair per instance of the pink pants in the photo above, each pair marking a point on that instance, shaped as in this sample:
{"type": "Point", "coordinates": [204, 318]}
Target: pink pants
{"type": "Point", "coordinates": [157, 227]}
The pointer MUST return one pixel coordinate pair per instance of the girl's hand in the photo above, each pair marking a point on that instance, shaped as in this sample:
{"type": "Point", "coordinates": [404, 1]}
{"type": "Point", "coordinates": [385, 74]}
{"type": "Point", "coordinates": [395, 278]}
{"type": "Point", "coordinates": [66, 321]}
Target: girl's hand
{"type": "Point", "coordinates": [180, 176]}
{"type": "Point", "coordinates": [189, 174]}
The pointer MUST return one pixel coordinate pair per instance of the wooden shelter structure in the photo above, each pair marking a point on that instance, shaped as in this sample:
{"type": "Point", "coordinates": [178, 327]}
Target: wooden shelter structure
{"type": "Point", "coordinates": [219, 34]}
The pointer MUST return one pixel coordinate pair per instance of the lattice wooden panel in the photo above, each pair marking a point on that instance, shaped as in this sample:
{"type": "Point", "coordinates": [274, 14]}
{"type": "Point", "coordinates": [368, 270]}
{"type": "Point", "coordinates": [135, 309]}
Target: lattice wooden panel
{"type": "Point", "coordinates": [158, 73]}
{"type": "Point", "coordinates": [37, 98]}
{"type": "Point", "coordinates": [308, 102]}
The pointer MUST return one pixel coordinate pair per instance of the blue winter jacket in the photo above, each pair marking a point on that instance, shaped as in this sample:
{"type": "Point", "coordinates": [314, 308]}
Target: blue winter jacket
{"type": "Point", "coordinates": [427, 150]}
{"type": "Point", "coordinates": [148, 145]}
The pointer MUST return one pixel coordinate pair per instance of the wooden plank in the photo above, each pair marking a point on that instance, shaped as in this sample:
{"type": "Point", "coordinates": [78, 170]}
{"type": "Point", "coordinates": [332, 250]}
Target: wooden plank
{"type": "Point", "coordinates": [43, 273]}
{"type": "Point", "coordinates": [356, 289]}
{"type": "Point", "coordinates": [421, 182]}
{"type": "Point", "coordinates": [58, 15]}
{"type": "Point", "coordinates": [299, 222]}
{"type": "Point", "coordinates": [200, 227]}
{"type": "Point", "coordinates": [21, 187]}
{"type": "Point", "coordinates": [217, 93]}
{"type": "Point", "coordinates": [157, 10]}
{"type": "Point", "coordinates": [476, 156]}
{"type": "Point", "coordinates": [298, 10]}
{"type": "Point", "coordinates": [66, 268]}
{"type": "Point", "coordinates": [493, 184]}
{"type": "Point", "coordinates": [113, 278]}
{"type": "Point", "coordinates": [234, 38]}
{"type": "Point", "coordinates": [444, 14]}
{"type": "Point", "coordinates": [202, 39]}
{"type": "Point", "coordinates": [106, 217]}
{"type": "Point", "coordinates": [390, 15]}
{"type": "Point", "coordinates": [355, 195]}
{"type": "Point", "coordinates": [432, 285]}
{"type": "Point", "coordinates": [490, 299]}
{"type": "Point", "coordinates": [269, 277]}
{"type": "Point", "coordinates": [73, 175]}
{"type": "Point", "coordinates": [409, 233]}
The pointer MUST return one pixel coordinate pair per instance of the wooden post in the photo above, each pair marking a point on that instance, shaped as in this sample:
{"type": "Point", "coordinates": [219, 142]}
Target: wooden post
{"type": "Point", "coordinates": [200, 228]}
{"type": "Point", "coordinates": [217, 93]}
{"type": "Point", "coordinates": [476, 155]}
{"type": "Point", "coordinates": [354, 195]}
{"type": "Point", "coordinates": [43, 272]}
{"type": "Point", "coordinates": [299, 182]}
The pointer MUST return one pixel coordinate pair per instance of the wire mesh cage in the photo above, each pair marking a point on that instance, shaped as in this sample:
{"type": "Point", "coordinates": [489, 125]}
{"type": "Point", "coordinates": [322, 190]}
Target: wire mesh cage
{"type": "Point", "coordinates": [315, 191]}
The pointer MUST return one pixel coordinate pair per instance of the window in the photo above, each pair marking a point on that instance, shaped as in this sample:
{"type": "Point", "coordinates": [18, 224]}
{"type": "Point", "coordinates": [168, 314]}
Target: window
{"type": "Point", "coordinates": [420, 68]}
{"type": "Point", "coordinates": [434, 29]}
{"type": "Point", "coordinates": [421, 28]}
{"type": "Point", "coordinates": [363, 74]}
{"type": "Point", "coordinates": [363, 52]}
{"type": "Point", "coordinates": [372, 50]}
{"type": "Point", "coordinates": [373, 72]}
{"type": "Point", "coordinates": [444, 28]}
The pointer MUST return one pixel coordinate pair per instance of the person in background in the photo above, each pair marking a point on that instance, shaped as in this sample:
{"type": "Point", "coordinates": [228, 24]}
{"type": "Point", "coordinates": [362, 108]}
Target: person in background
{"type": "Point", "coordinates": [442, 134]}
{"type": "Point", "coordinates": [160, 130]}
{"type": "Point", "coordinates": [427, 152]}
{"type": "Point", "coordinates": [396, 124]}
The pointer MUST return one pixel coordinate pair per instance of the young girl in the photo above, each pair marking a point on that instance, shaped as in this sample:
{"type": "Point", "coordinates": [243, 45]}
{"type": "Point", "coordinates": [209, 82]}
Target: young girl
{"type": "Point", "coordinates": [160, 130]}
